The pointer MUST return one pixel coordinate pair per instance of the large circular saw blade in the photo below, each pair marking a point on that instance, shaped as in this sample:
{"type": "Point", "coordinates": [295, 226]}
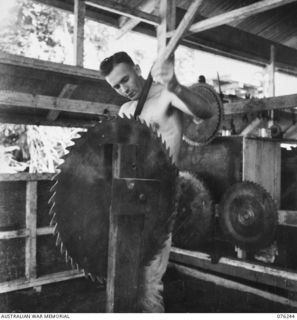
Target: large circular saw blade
{"type": "Point", "coordinates": [85, 191]}
{"type": "Point", "coordinates": [248, 215]}
{"type": "Point", "coordinates": [195, 213]}
{"type": "Point", "coordinates": [202, 131]}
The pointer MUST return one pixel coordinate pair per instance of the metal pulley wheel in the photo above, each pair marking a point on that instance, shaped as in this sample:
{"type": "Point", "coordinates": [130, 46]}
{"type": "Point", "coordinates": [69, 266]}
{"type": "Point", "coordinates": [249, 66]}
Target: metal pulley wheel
{"type": "Point", "coordinates": [202, 131]}
{"type": "Point", "coordinates": [119, 169]}
{"type": "Point", "coordinates": [195, 213]}
{"type": "Point", "coordinates": [248, 215]}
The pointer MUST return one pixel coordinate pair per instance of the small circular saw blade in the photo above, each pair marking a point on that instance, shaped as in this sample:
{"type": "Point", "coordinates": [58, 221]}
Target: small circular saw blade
{"type": "Point", "coordinates": [248, 215]}
{"type": "Point", "coordinates": [202, 131]}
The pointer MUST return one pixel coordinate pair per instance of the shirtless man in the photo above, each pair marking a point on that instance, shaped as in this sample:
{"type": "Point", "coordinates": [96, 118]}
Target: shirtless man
{"type": "Point", "coordinates": [166, 102]}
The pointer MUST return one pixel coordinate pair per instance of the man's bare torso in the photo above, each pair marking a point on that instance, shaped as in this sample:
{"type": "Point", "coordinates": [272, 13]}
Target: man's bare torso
{"type": "Point", "coordinates": [164, 118]}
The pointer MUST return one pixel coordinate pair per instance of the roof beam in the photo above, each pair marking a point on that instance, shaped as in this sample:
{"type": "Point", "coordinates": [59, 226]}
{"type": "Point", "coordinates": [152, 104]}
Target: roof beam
{"type": "Point", "coordinates": [118, 8]}
{"type": "Point", "coordinates": [18, 99]}
{"type": "Point", "coordinates": [237, 14]}
{"type": "Point", "coordinates": [257, 105]}
{"type": "Point", "coordinates": [13, 59]}
{"type": "Point", "coordinates": [128, 24]}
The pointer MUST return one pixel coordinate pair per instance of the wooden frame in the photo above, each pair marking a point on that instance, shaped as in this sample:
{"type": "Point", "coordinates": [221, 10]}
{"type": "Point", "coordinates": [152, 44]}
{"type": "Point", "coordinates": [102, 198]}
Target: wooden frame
{"type": "Point", "coordinates": [237, 268]}
{"type": "Point", "coordinates": [31, 233]}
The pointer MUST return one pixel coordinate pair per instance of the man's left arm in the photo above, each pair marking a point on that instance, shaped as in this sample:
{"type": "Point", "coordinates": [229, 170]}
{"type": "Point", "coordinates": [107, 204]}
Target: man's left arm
{"type": "Point", "coordinates": [183, 98]}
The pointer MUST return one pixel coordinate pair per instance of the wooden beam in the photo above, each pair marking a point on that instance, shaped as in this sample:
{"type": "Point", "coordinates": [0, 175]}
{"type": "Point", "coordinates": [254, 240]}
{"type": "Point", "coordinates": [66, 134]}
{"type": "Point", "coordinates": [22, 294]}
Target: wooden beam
{"type": "Point", "coordinates": [287, 218]}
{"type": "Point", "coordinates": [251, 127]}
{"type": "Point", "coordinates": [257, 105]}
{"type": "Point", "coordinates": [19, 99]}
{"type": "Point", "coordinates": [167, 13]}
{"type": "Point", "coordinates": [20, 284]}
{"type": "Point", "coordinates": [127, 24]}
{"type": "Point", "coordinates": [40, 121]}
{"type": "Point", "coordinates": [79, 23]}
{"type": "Point", "coordinates": [44, 231]}
{"type": "Point", "coordinates": [233, 285]}
{"type": "Point", "coordinates": [31, 225]}
{"type": "Point", "coordinates": [121, 9]}
{"type": "Point", "coordinates": [26, 176]}
{"type": "Point", "coordinates": [21, 233]}
{"type": "Point", "coordinates": [11, 59]}
{"type": "Point", "coordinates": [237, 14]}
{"type": "Point", "coordinates": [261, 274]}
{"type": "Point", "coordinates": [180, 31]}
{"type": "Point", "coordinates": [66, 92]}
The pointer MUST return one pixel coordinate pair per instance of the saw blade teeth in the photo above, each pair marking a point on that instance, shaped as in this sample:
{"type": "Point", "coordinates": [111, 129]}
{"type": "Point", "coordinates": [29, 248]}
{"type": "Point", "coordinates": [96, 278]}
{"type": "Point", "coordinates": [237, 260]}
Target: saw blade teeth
{"type": "Point", "coordinates": [66, 256]}
{"type": "Point", "coordinates": [53, 220]}
{"type": "Point", "coordinates": [55, 229]}
{"type": "Point", "coordinates": [62, 248]}
{"type": "Point", "coordinates": [92, 277]}
{"type": "Point", "coordinates": [55, 175]}
{"type": "Point", "coordinates": [53, 187]}
{"type": "Point", "coordinates": [72, 263]}
{"type": "Point", "coordinates": [58, 239]}
{"type": "Point", "coordinates": [51, 199]}
{"type": "Point", "coordinates": [51, 210]}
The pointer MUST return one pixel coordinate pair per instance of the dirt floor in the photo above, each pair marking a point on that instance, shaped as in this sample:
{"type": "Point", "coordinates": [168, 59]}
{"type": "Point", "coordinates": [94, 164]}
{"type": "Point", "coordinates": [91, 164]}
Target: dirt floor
{"type": "Point", "coordinates": [181, 295]}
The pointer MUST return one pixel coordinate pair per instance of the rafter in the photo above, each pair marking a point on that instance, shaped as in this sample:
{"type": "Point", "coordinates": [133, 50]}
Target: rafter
{"type": "Point", "coordinates": [130, 12]}
{"type": "Point", "coordinates": [127, 24]}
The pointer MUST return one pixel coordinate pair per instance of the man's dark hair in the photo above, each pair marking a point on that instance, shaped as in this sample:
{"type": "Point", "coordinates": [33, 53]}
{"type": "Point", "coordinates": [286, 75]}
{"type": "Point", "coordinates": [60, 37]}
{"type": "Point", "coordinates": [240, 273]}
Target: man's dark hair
{"type": "Point", "coordinates": [108, 63]}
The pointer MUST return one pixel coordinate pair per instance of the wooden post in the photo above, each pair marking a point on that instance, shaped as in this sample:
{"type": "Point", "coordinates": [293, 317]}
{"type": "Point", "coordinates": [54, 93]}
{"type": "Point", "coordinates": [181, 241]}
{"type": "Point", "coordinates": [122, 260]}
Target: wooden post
{"type": "Point", "coordinates": [31, 224]}
{"type": "Point", "coordinates": [271, 79]}
{"type": "Point", "coordinates": [167, 13]}
{"type": "Point", "coordinates": [79, 16]}
{"type": "Point", "coordinates": [112, 238]}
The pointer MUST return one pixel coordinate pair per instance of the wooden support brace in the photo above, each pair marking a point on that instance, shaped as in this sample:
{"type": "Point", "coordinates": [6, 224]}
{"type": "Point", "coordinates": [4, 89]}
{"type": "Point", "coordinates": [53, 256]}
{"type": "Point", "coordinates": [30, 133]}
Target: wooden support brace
{"type": "Point", "coordinates": [31, 225]}
{"type": "Point", "coordinates": [121, 9]}
{"type": "Point", "coordinates": [79, 16]}
{"type": "Point", "coordinates": [127, 24]}
{"type": "Point", "coordinates": [233, 285]}
{"type": "Point", "coordinates": [19, 99]}
{"type": "Point", "coordinates": [66, 92]}
{"type": "Point", "coordinates": [237, 14]}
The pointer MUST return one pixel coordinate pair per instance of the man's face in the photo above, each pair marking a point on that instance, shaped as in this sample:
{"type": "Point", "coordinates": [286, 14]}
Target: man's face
{"type": "Point", "coordinates": [126, 80]}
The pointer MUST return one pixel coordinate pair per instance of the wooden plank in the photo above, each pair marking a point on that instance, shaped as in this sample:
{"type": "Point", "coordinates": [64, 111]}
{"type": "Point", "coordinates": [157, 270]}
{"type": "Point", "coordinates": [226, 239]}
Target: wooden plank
{"type": "Point", "coordinates": [66, 92]}
{"type": "Point", "coordinates": [127, 24]}
{"type": "Point", "coordinates": [26, 176]}
{"type": "Point", "coordinates": [31, 224]}
{"type": "Point", "coordinates": [220, 281]}
{"type": "Point", "coordinates": [271, 72]}
{"type": "Point", "coordinates": [124, 10]}
{"type": "Point", "coordinates": [79, 23]}
{"type": "Point", "coordinates": [18, 60]}
{"type": "Point", "coordinates": [113, 237]}
{"type": "Point", "coordinates": [237, 14]}
{"type": "Point", "coordinates": [257, 105]}
{"type": "Point", "coordinates": [237, 268]}
{"type": "Point", "coordinates": [40, 121]}
{"type": "Point", "coordinates": [44, 231]}
{"type": "Point", "coordinates": [22, 233]}
{"type": "Point", "coordinates": [20, 284]}
{"type": "Point", "coordinates": [251, 127]}
{"type": "Point", "coordinates": [19, 99]}
{"type": "Point", "coordinates": [287, 218]}
{"type": "Point", "coordinates": [259, 153]}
